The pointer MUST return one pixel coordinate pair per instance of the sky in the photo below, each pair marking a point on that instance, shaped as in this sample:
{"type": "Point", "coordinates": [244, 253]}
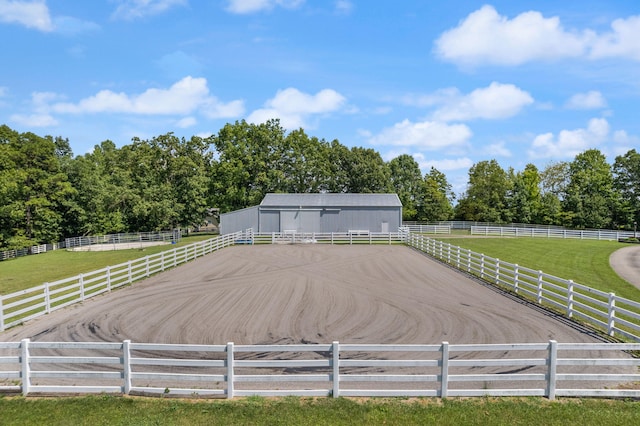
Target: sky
{"type": "Point", "coordinates": [450, 83]}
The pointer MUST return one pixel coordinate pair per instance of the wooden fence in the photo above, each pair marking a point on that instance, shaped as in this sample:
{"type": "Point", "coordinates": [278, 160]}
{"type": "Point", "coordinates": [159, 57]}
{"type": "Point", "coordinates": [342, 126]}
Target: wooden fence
{"type": "Point", "coordinates": [442, 370]}
{"type": "Point", "coordinates": [615, 315]}
{"type": "Point", "coordinates": [33, 302]}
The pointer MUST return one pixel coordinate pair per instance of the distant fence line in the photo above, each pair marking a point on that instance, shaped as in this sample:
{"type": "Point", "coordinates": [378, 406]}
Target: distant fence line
{"type": "Point", "coordinates": [503, 231]}
{"type": "Point", "coordinates": [612, 314]}
{"type": "Point", "coordinates": [335, 369]}
{"type": "Point", "coordinates": [174, 235]}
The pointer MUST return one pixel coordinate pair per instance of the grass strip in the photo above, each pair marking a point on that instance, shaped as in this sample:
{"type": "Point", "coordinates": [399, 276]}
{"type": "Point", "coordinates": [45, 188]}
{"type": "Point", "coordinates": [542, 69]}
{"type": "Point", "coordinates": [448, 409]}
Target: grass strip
{"type": "Point", "coordinates": [113, 410]}
{"type": "Point", "coordinates": [30, 271]}
{"type": "Point", "coordinates": [583, 261]}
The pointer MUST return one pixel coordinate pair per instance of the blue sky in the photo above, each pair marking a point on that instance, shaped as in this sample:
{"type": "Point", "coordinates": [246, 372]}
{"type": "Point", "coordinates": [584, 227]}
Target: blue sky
{"type": "Point", "coordinates": [451, 83]}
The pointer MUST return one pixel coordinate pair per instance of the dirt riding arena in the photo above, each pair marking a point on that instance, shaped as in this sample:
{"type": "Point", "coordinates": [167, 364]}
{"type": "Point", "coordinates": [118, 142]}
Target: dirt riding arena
{"type": "Point", "coordinates": [303, 293]}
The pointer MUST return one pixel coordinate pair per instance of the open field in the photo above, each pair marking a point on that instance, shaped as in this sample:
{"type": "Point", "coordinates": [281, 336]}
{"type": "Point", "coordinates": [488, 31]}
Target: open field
{"type": "Point", "coordinates": [584, 261]}
{"type": "Point", "coordinates": [105, 410]}
{"type": "Point", "coordinates": [29, 271]}
{"type": "Point", "coordinates": [303, 293]}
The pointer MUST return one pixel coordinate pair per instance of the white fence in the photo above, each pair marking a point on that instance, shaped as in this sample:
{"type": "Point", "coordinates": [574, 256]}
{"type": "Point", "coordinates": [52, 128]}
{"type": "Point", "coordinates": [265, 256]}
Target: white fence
{"type": "Point", "coordinates": [428, 229]}
{"type": "Point", "coordinates": [350, 237]}
{"type": "Point", "coordinates": [615, 315]}
{"type": "Point", "coordinates": [33, 302]}
{"type": "Point", "coordinates": [174, 235]}
{"type": "Point", "coordinates": [443, 370]}
{"type": "Point", "coordinates": [502, 231]}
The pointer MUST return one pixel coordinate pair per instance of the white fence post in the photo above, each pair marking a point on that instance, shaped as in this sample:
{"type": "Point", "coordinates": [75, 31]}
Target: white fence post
{"type": "Point", "coordinates": [469, 260]}
{"type": "Point", "coordinates": [444, 370]}
{"type": "Point", "coordinates": [552, 363]}
{"type": "Point", "coordinates": [230, 378]}
{"type": "Point", "coordinates": [481, 266]}
{"type": "Point", "coordinates": [539, 295]}
{"type": "Point", "coordinates": [458, 257]}
{"type": "Point", "coordinates": [497, 271]}
{"type": "Point", "coordinates": [109, 279]}
{"type": "Point", "coordinates": [516, 277]}
{"type": "Point", "coordinates": [81, 281]}
{"type": "Point", "coordinates": [335, 352]}
{"type": "Point", "coordinates": [146, 266]}
{"type": "Point", "coordinates": [1, 315]}
{"type": "Point", "coordinates": [47, 298]}
{"type": "Point", "coordinates": [162, 261]}
{"type": "Point", "coordinates": [129, 280]}
{"type": "Point", "coordinates": [126, 366]}
{"type": "Point", "coordinates": [25, 367]}
{"type": "Point", "coordinates": [611, 322]}
{"type": "Point", "coordinates": [570, 299]}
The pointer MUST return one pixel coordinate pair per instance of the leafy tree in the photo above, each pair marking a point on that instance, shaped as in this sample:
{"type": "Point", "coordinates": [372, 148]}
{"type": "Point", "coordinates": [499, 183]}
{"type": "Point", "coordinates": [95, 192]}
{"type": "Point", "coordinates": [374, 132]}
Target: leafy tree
{"type": "Point", "coordinates": [367, 172]}
{"type": "Point", "coordinates": [590, 194]}
{"type": "Point", "coordinates": [626, 182]}
{"type": "Point", "coordinates": [406, 179]}
{"type": "Point", "coordinates": [525, 198]}
{"type": "Point", "coordinates": [485, 198]}
{"type": "Point", "coordinates": [436, 198]}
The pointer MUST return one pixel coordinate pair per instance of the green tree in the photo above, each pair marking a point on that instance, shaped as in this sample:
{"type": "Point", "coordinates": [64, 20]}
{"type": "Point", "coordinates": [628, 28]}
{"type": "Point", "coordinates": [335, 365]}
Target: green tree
{"type": "Point", "coordinates": [486, 196]}
{"type": "Point", "coordinates": [626, 183]}
{"type": "Point", "coordinates": [437, 197]}
{"type": "Point", "coordinates": [407, 182]}
{"type": "Point", "coordinates": [525, 198]}
{"type": "Point", "coordinates": [590, 196]}
{"type": "Point", "coordinates": [367, 172]}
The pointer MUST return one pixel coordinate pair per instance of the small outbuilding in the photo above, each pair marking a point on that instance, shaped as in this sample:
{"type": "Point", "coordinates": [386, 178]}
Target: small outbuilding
{"type": "Point", "coordinates": [319, 213]}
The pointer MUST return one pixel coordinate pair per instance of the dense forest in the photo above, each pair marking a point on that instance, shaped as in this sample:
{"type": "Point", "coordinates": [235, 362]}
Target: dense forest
{"type": "Point", "coordinates": [47, 193]}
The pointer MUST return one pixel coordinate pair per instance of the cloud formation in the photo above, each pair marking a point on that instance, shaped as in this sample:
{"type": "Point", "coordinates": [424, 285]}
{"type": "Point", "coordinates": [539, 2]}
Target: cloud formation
{"type": "Point", "coordinates": [32, 14]}
{"type": "Point", "coordinates": [486, 37]}
{"type": "Point", "coordinates": [134, 9]}
{"type": "Point", "coordinates": [589, 100]}
{"type": "Point", "coordinates": [252, 6]}
{"type": "Point", "coordinates": [294, 107]}
{"type": "Point", "coordinates": [497, 101]}
{"type": "Point", "coordinates": [570, 143]}
{"type": "Point", "coordinates": [426, 135]}
{"type": "Point", "coordinates": [182, 98]}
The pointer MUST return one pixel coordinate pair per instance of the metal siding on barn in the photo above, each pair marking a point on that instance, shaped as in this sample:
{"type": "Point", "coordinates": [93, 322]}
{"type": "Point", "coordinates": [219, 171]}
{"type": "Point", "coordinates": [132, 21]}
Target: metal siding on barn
{"type": "Point", "coordinates": [269, 221]}
{"type": "Point", "coordinates": [239, 220]}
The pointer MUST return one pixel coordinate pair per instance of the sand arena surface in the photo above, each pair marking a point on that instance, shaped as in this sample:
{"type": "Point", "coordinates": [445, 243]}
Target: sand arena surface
{"type": "Point", "coordinates": [303, 293]}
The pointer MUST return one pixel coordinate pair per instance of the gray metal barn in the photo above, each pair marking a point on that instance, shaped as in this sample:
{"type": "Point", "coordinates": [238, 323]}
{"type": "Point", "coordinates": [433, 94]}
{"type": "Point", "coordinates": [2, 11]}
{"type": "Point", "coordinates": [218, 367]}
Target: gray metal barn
{"type": "Point", "coordinates": [320, 213]}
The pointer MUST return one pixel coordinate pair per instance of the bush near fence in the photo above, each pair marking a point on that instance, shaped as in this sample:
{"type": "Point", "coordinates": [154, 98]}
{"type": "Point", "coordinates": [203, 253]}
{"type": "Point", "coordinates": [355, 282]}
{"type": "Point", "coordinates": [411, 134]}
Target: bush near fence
{"type": "Point", "coordinates": [444, 370]}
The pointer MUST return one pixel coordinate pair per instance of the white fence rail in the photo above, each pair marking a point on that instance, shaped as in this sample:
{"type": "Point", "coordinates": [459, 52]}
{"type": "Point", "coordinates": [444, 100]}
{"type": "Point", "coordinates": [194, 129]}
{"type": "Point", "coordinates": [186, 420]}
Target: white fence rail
{"type": "Point", "coordinates": [351, 237]}
{"type": "Point", "coordinates": [502, 231]}
{"type": "Point", "coordinates": [33, 302]}
{"type": "Point", "coordinates": [615, 315]}
{"type": "Point", "coordinates": [442, 370]}
{"type": "Point", "coordinates": [174, 235]}
{"type": "Point", "coordinates": [428, 229]}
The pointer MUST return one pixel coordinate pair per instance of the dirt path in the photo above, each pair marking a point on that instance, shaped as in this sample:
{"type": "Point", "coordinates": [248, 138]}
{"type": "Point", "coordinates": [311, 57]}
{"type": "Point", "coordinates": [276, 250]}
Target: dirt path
{"type": "Point", "coordinates": [303, 293]}
{"type": "Point", "coordinates": [626, 263]}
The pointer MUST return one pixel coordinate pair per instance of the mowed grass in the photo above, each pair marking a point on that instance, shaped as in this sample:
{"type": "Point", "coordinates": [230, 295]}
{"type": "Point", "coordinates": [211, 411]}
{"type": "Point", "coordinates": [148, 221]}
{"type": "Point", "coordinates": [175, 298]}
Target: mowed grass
{"type": "Point", "coordinates": [108, 410]}
{"type": "Point", "coordinates": [29, 271]}
{"type": "Point", "coordinates": [583, 261]}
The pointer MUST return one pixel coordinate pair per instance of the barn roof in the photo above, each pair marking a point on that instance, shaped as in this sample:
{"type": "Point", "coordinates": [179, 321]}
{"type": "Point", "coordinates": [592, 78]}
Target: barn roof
{"type": "Point", "coordinates": [331, 200]}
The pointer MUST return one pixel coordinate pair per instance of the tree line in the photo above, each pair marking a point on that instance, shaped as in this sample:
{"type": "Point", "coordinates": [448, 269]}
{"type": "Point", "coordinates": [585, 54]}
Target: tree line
{"type": "Point", "coordinates": [48, 194]}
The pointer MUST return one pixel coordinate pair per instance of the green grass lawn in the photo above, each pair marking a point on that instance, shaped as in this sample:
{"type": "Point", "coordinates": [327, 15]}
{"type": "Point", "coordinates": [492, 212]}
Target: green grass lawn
{"type": "Point", "coordinates": [583, 261]}
{"type": "Point", "coordinates": [108, 410]}
{"type": "Point", "coordinates": [30, 271]}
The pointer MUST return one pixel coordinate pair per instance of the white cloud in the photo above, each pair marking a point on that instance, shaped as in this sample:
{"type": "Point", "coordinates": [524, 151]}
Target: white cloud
{"type": "Point", "coordinates": [184, 97]}
{"type": "Point", "coordinates": [569, 143]}
{"type": "Point", "coordinates": [252, 6]}
{"type": "Point", "coordinates": [494, 102]}
{"type": "Point", "coordinates": [34, 120]}
{"type": "Point", "coordinates": [69, 25]}
{"type": "Point", "coordinates": [32, 14]}
{"type": "Point", "coordinates": [294, 107]}
{"type": "Point", "coordinates": [621, 42]}
{"type": "Point", "coordinates": [497, 150]}
{"type": "Point", "coordinates": [344, 7]}
{"type": "Point", "coordinates": [186, 122]}
{"type": "Point", "coordinates": [589, 100]}
{"type": "Point", "coordinates": [429, 135]}
{"type": "Point", "coordinates": [444, 165]}
{"type": "Point", "coordinates": [133, 9]}
{"type": "Point", "coordinates": [486, 37]}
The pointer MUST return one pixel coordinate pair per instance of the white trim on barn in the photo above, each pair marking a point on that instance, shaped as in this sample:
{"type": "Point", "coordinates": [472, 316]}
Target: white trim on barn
{"type": "Point", "coordinates": [320, 213]}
